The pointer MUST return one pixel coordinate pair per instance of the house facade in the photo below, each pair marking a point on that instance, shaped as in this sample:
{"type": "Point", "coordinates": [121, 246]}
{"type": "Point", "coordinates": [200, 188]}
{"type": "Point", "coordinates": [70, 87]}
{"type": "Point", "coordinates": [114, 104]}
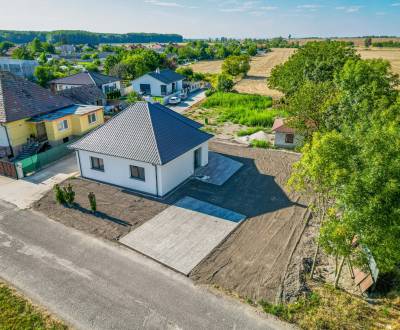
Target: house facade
{"type": "Point", "coordinates": [21, 68]}
{"type": "Point", "coordinates": [146, 148]}
{"type": "Point", "coordinates": [285, 136]}
{"type": "Point", "coordinates": [159, 83]}
{"type": "Point", "coordinates": [31, 114]}
{"type": "Point", "coordinates": [106, 84]}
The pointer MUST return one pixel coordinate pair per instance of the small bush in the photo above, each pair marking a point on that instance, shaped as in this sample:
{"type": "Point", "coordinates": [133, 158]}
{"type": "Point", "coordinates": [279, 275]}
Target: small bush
{"type": "Point", "coordinates": [209, 92]}
{"type": "Point", "coordinates": [59, 194]}
{"type": "Point", "coordinates": [249, 131]}
{"type": "Point", "coordinates": [260, 144]}
{"type": "Point", "coordinates": [69, 194]}
{"type": "Point", "coordinates": [92, 202]}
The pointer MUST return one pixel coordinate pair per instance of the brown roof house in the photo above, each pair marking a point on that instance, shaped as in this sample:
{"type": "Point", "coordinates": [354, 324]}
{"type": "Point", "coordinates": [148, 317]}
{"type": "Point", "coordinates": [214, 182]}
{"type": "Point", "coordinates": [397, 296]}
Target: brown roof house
{"type": "Point", "coordinates": [87, 94]}
{"type": "Point", "coordinates": [31, 115]}
{"type": "Point", "coordinates": [285, 136]}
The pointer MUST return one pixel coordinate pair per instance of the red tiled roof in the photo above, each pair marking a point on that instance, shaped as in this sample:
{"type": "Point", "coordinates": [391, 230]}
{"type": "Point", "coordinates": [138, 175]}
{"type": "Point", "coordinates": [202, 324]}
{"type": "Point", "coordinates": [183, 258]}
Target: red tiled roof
{"type": "Point", "coordinates": [279, 126]}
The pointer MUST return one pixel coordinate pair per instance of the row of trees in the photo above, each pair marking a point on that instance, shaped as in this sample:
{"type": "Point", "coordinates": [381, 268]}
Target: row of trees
{"type": "Point", "coordinates": [33, 49]}
{"type": "Point", "coordinates": [349, 111]}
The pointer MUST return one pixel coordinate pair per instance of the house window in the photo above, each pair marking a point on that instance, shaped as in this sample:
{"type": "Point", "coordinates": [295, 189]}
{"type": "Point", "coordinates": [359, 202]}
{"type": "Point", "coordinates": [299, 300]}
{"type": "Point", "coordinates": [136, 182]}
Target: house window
{"type": "Point", "coordinates": [289, 138]}
{"type": "Point", "coordinates": [92, 118]}
{"type": "Point", "coordinates": [97, 164]}
{"type": "Point", "coordinates": [137, 173]}
{"type": "Point", "coordinates": [145, 89]}
{"type": "Point", "coordinates": [62, 125]}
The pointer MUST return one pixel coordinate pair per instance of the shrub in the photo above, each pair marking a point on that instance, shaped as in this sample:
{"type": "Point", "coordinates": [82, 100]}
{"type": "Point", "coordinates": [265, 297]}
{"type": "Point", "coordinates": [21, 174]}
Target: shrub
{"type": "Point", "coordinates": [92, 202]}
{"type": "Point", "coordinates": [59, 194]}
{"type": "Point", "coordinates": [249, 131]}
{"type": "Point", "coordinates": [209, 92]}
{"type": "Point", "coordinates": [69, 194]}
{"type": "Point", "coordinates": [260, 144]}
{"type": "Point", "coordinates": [225, 83]}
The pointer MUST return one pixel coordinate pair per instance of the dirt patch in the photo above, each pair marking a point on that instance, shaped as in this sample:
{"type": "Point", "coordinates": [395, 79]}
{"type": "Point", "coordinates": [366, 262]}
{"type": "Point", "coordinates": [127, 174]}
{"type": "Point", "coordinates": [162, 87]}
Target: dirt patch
{"type": "Point", "coordinates": [118, 212]}
{"type": "Point", "coordinates": [207, 66]}
{"type": "Point", "coordinates": [255, 259]}
{"type": "Point", "coordinates": [390, 54]}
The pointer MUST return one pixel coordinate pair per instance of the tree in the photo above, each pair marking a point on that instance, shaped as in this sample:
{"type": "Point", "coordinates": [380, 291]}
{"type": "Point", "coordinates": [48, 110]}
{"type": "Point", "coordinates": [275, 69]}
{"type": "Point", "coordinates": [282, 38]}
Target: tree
{"type": "Point", "coordinates": [35, 46]}
{"type": "Point", "coordinates": [367, 42]}
{"type": "Point", "coordinates": [316, 62]}
{"type": "Point", "coordinates": [236, 65]}
{"type": "Point", "coordinates": [225, 83]}
{"type": "Point", "coordinates": [186, 71]}
{"type": "Point", "coordinates": [5, 46]}
{"type": "Point", "coordinates": [133, 97]}
{"type": "Point", "coordinates": [22, 53]}
{"type": "Point", "coordinates": [43, 75]}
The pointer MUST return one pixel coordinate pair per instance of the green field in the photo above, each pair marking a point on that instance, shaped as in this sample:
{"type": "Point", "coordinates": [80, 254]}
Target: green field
{"type": "Point", "coordinates": [18, 313]}
{"type": "Point", "coordinates": [244, 109]}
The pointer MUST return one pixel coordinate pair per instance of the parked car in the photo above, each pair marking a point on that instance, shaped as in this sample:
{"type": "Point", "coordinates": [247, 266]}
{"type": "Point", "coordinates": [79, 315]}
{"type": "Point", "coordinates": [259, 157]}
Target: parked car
{"type": "Point", "coordinates": [174, 100]}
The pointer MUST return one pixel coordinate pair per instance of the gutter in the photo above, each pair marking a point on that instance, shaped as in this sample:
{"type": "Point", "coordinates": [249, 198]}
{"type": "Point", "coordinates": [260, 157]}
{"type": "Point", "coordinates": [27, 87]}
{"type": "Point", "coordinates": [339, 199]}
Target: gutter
{"type": "Point", "coordinates": [8, 139]}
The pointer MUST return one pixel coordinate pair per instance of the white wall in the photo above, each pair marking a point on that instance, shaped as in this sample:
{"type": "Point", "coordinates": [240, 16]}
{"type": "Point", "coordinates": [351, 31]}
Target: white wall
{"type": "Point", "coordinates": [3, 137]}
{"type": "Point", "coordinates": [280, 140]}
{"type": "Point", "coordinates": [116, 85]}
{"type": "Point", "coordinates": [155, 85]}
{"type": "Point", "coordinates": [170, 175]}
{"type": "Point", "coordinates": [117, 172]}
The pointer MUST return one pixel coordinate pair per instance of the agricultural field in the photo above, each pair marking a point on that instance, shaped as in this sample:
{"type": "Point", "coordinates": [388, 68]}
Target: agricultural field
{"type": "Point", "coordinates": [390, 54]}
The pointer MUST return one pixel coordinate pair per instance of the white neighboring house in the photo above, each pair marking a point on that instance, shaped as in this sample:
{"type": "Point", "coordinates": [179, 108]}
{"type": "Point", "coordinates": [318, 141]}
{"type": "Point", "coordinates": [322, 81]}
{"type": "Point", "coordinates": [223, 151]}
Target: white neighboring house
{"type": "Point", "coordinates": [105, 83]}
{"type": "Point", "coordinates": [146, 148]}
{"type": "Point", "coordinates": [161, 83]}
{"type": "Point", "coordinates": [21, 68]}
{"type": "Point", "coordinates": [285, 136]}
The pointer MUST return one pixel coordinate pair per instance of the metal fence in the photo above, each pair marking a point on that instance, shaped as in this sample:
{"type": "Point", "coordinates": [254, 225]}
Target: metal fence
{"type": "Point", "coordinates": [40, 160]}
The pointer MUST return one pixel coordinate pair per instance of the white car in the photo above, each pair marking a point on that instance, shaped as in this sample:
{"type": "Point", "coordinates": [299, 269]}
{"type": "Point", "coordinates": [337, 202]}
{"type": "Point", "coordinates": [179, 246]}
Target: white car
{"type": "Point", "coordinates": [174, 100]}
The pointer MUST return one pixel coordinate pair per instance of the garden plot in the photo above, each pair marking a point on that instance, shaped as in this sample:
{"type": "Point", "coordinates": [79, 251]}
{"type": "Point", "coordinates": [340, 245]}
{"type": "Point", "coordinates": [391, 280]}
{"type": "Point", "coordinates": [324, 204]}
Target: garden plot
{"type": "Point", "coordinates": [184, 234]}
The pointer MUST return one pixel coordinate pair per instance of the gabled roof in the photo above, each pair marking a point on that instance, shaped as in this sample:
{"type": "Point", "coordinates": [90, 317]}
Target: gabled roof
{"type": "Point", "coordinates": [20, 98]}
{"type": "Point", "coordinates": [87, 94]}
{"type": "Point", "coordinates": [86, 78]}
{"type": "Point", "coordinates": [166, 76]}
{"type": "Point", "coordinates": [280, 126]}
{"type": "Point", "coordinates": [145, 132]}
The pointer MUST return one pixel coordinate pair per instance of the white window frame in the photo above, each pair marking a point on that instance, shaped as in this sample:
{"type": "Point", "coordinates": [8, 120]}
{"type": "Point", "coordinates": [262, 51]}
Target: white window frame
{"type": "Point", "coordinates": [91, 115]}
{"type": "Point", "coordinates": [141, 173]}
{"type": "Point", "coordinates": [62, 125]}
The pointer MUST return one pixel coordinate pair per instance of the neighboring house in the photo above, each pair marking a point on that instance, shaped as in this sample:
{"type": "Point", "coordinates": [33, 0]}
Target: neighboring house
{"type": "Point", "coordinates": [21, 68]}
{"type": "Point", "coordinates": [30, 114]}
{"type": "Point", "coordinates": [66, 49]}
{"type": "Point", "coordinates": [90, 95]}
{"type": "Point", "coordinates": [285, 136]}
{"type": "Point", "coordinates": [161, 83]}
{"type": "Point", "coordinates": [105, 83]}
{"type": "Point", "coordinates": [147, 148]}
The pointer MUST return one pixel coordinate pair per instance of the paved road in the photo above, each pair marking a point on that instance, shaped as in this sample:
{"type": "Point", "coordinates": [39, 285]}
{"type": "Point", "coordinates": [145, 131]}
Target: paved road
{"type": "Point", "coordinates": [30, 189]}
{"type": "Point", "coordinates": [94, 284]}
{"type": "Point", "coordinates": [192, 99]}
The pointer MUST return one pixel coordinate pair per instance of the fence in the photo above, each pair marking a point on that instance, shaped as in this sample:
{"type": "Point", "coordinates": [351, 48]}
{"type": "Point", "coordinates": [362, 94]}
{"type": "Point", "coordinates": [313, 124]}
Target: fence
{"type": "Point", "coordinates": [38, 161]}
{"type": "Point", "coordinates": [8, 169]}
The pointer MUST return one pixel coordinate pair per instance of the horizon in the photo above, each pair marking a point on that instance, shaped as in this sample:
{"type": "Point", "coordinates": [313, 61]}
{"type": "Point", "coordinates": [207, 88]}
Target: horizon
{"type": "Point", "coordinates": [210, 19]}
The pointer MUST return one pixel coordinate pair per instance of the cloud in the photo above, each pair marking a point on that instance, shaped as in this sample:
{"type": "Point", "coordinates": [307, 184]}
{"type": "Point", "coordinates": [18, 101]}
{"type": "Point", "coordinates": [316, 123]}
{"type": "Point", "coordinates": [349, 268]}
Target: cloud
{"type": "Point", "coordinates": [309, 6]}
{"type": "Point", "coordinates": [251, 7]}
{"type": "Point", "coordinates": [167, 4]}
{"type": "Point", "coordinates": [396, 4]}
{"type": "Point", "coordinates": [349, 9]}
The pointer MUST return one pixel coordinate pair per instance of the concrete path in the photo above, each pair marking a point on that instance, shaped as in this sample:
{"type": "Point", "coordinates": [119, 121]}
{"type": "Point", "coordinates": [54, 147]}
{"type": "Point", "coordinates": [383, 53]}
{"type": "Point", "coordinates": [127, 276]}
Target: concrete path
{"type": "Point", "coordinates": [24, 192]}
{"type": "Point", "coordinates": [93, 284]}
{"type": "Point", "coordinates": [181, 236]}
{"type": "Point", "coordinates": [192, 99]}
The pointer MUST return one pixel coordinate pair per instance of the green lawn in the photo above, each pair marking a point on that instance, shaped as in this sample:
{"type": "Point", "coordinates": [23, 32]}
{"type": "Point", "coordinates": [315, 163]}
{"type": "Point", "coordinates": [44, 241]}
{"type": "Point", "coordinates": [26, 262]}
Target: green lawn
{"type": "Point", "coordinates": [245, 109]}
{"type": "Point", "coordinates": [18, 313]}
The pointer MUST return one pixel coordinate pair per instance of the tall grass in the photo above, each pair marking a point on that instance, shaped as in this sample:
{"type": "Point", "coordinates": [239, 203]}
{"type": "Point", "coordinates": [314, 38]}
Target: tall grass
{"type": "Point", "coordinates": [245, 109]}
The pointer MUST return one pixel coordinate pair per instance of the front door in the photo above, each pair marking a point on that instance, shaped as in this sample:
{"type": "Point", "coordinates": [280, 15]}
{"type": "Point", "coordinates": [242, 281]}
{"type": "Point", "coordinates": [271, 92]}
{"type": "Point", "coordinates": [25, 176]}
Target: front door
{"type": "Point", "coordinates": [197, 158]}
{"type": "Point", "coordinates": [41, 133]}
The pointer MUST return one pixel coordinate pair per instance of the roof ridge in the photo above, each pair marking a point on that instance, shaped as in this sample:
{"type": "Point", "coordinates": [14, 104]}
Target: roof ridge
{"type": "Point", "coordinates": [176, 115]}
{"type": "Point", "coordinates": [152, 129]}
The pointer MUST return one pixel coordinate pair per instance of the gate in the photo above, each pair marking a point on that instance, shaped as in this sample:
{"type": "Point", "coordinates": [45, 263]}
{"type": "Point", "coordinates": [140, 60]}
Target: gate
{"type": "Point", "coordinates": [8, 169]}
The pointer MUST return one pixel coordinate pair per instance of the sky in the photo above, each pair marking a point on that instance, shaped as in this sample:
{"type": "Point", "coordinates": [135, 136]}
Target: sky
{"type": "Point", "coordinates": [207, 18]}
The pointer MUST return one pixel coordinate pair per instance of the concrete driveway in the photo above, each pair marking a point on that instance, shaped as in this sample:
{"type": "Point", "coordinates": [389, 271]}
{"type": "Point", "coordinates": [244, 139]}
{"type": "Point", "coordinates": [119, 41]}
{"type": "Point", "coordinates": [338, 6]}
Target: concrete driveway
{"type": "Point", "coordinates": [95, 284]}
{"type": "Point", "coordinates": [184, 234]}
{"type": "Point", "coordinates": [24, 192]}
{"type": "Point", "coordinates": [192, 99]}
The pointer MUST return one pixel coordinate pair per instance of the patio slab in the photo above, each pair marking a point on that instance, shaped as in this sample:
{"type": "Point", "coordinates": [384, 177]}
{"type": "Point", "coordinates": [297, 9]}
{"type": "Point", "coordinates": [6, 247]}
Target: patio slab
{"type": "Point", "coordinates": [218, 170]}
{"type": "Point", "coordinates": [181, 236]}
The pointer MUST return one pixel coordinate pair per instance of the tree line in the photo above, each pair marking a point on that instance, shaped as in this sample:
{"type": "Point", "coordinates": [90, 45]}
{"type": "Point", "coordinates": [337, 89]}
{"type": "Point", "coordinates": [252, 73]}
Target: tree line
{"type": "Point", "coordinates": [85, 37]}
{"type": "Point", "coordinates": [348, 110]}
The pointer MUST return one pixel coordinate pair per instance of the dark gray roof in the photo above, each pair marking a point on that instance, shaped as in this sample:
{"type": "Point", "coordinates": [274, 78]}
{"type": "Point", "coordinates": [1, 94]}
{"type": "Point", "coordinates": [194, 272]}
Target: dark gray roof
{"type": "Point", "coordinates": [20, 98]}
{"type": "Point", "coordinates": [86, 78]}
{"type": "Point", "coordinates": [166, 76]}
{"type": "Point", "coordinates": [145, 132]}
{"type": "Point", "coordinates": [87, 94]}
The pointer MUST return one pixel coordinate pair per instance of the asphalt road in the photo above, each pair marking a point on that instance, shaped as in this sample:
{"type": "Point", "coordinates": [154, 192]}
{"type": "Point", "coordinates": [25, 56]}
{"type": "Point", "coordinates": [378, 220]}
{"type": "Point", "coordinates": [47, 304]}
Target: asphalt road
{"type": "Point", "coordinates": [95, 284]}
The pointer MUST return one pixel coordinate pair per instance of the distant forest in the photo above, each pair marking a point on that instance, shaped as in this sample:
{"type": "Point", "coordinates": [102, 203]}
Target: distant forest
{"type": "Point", "coordinates": [85, 37]}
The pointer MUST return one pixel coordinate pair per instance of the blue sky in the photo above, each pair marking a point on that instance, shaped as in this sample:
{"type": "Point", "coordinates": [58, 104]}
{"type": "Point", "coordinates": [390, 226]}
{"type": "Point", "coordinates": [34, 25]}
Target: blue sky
{"type": "Point", "coordinates": [207, 18]}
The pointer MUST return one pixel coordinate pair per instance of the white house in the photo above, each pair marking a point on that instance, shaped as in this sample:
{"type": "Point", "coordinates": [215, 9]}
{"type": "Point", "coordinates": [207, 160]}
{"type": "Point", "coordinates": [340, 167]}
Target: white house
{"type": "Point", "coordinates": [285, 136]}
{"type": "Point", "coordinates": [160, 83]}
{"type": "Point", "coordinates": [146, 148]}
{"type": "Point", "coordinates": [21, 68]}
{"type": "Point", "coordinates": [105, 83]}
